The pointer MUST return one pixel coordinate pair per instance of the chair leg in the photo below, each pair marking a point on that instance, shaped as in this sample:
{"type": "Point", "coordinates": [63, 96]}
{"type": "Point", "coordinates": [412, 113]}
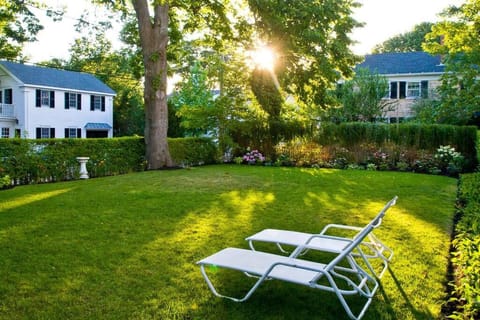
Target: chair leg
{"type": "Point", "coordinates": [215, 292]}
{"type": "Point", "coordinates": [368, 294]}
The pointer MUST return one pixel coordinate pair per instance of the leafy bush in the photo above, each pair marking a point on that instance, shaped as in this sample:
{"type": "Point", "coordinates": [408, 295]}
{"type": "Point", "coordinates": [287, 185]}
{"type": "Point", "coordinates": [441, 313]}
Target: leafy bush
{"type": "Point", "coordinates": [5, 182]}
{"type": "Point", "coordinates": [466, 254]}
{"type": "Point", "coordinates": [192, 151]}
{"type": "Point", "coordinates": [301, 152]}
{"type": "Point", "coordinates": [448, 160]}
{"type": "Point", "coordinates": [253, 157]}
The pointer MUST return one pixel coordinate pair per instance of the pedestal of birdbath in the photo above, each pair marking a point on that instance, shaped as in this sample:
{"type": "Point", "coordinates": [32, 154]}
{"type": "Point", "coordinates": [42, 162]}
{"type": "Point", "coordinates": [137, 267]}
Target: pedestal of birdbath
{"type": "Point", "coordinates": [83, 167]}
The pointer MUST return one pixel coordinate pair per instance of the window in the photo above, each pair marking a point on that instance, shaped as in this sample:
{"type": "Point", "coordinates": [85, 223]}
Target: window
{"type": "Point", "coordinates": [393, 90]}
{"type": "Point", "coordinates": [97, 103]}
{"type": "Point", "coordinates": [398, 90]}
{"type": "Point", "coordinates": [5, 133]}
{"type": "Point", "coordinates": [8, 96]}
{"type": "Point", "coordinates": [73, 101]}
{"type": "Point", "coordinates": [45, 133]}
{"type": "Point", "coordinates": [424, 89]}
{"type": "Point", "coordinates": [45, 98]}
{"type": "Point", "coordinates": [402, 92]}
{"type": "Point", "coordinates": [403, 89]}
{"type": "Point", "coordinates": [73, 133]}
{"type": "Point", "coordinates": [413, 89]}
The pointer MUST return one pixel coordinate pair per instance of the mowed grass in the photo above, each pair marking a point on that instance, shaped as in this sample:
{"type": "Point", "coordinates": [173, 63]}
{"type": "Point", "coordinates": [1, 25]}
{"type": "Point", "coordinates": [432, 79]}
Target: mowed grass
{"type": "Point", "coordinates": [125, 247]}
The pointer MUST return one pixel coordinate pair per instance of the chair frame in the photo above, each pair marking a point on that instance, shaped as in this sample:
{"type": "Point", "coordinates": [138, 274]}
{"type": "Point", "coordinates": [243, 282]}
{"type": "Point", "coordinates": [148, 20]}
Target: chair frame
{"type": "Point", "coordinates": [365, 286]}
{"type": "Point", "coordinates": [376, 248]}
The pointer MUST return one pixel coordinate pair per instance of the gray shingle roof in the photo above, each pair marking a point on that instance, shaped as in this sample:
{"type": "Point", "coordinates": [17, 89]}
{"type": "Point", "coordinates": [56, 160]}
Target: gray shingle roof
{"type": "Point", "coordinates": [56, 78]}
{"type": "Point", "coordinates": [402, 63]}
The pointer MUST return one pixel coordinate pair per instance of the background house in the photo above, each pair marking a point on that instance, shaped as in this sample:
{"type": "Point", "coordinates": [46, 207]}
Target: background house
{"type": "Point", "coordinates": [39, 102]}
{"type": "Point", "coordinates": [411, 75]}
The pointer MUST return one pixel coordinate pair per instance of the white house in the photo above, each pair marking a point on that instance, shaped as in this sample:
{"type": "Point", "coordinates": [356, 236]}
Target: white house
{"type": "Point", "coordinates": [411, 75]}
{"type": "Point", "coordinates": [38, 102]}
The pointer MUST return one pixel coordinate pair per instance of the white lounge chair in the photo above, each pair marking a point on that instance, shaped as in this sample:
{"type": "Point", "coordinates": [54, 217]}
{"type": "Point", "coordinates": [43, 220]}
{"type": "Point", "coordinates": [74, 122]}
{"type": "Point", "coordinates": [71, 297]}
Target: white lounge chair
{"type": "Point", "coordinates": [341, 279]}
{"type": "Point", "coordinates": [373, 247]}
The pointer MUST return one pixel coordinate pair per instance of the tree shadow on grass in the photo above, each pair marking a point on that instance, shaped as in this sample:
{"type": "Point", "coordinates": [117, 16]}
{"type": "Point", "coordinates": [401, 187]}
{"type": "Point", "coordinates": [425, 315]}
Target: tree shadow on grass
{"type": "Point", "coordinates": [400, 293]}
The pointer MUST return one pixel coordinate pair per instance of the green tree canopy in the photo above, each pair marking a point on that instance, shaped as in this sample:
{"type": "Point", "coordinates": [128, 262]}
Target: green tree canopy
{"type": "Point", "coordinates": [460, 46]}
{"type": "Point", "coordinates": [406, 42]}
{"type": "Point", "coordinates": [362, 98]}
{"type": "Point", "coordinates": [18, 25]}
{"type": "Point", "coordinates": [195, 103]}
{"type": "Point", "coordinates": [312, 38]}
{"type": "Point", "coordinates": [312, 41]}
{"type": "Point", "coordinates": [158, 22]}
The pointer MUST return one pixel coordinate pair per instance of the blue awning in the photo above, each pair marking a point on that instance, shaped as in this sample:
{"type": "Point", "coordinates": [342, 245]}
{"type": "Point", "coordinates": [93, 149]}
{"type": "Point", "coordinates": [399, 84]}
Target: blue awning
{"type": "Point", "coordinates": [97, 126]}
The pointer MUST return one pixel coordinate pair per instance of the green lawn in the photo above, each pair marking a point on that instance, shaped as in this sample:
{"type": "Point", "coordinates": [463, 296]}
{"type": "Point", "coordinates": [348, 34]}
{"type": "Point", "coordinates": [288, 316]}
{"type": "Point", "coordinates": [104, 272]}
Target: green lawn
{"type": "Point", "coordinates": [125, 247]}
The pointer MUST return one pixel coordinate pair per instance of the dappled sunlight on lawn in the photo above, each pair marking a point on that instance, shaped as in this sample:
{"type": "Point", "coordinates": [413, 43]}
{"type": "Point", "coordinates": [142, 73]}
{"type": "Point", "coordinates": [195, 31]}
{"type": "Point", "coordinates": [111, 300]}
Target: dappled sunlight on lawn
{"type": "Point", "coordinates": [127, 246]}
{"type": "Point", "coordinates": [207, 229]}
{"type": "Point", "coordinates": [318, 172]}
{"type": "Point", "coordinates": [28, 199]}
{"type": "Point", "coordinates": [233, 211]}
{"type": "Point", "coordinates": [353, 212]}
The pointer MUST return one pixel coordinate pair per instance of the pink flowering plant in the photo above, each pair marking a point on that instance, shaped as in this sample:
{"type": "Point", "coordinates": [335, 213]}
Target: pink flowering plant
{"type": "Point", "coordinates": [253, 157]}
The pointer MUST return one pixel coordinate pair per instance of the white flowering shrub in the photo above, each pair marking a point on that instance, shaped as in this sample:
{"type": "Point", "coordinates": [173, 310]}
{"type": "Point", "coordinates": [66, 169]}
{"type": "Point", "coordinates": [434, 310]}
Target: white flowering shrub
{"type": "Point", "coordinates": [448, 160]}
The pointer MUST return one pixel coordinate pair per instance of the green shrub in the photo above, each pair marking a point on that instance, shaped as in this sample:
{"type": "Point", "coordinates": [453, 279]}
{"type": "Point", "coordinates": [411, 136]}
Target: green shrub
{"type": "Point", "coordinates": [466, 253]}
{"type": "Point", "coordinates": [301, 152]}
{"type": "Point", "coordinates": [5, 182]}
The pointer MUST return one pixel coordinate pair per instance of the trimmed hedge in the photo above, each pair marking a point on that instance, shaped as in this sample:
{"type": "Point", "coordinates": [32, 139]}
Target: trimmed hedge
{"type": "Point", "coordinates": [403, 137]}
{"type": "Point", "coordinates": [466, 250]}
{"type": "Point", "coordinates": [47, 160]}
{"type": "Point", "coordinates": [192, 151]}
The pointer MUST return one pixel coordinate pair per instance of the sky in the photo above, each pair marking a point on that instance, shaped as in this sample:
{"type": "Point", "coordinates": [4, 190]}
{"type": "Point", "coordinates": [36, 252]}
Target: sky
{"type": "Point", "coordinates": [383, 19]}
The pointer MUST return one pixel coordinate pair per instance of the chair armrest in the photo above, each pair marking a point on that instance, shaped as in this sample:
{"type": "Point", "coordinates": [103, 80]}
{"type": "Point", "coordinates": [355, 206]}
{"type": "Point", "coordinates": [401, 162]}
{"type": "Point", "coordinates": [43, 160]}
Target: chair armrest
{"type": "Point", "coordinates": [339, 226]}
{"type": "Point", "coordinates": [299, 250]}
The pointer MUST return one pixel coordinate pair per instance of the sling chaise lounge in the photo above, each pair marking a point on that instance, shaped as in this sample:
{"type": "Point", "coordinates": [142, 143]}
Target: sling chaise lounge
{"type": "Point", "coordinates": [342, 275]}
{"type": "Point", "coordinates": [373, 247]}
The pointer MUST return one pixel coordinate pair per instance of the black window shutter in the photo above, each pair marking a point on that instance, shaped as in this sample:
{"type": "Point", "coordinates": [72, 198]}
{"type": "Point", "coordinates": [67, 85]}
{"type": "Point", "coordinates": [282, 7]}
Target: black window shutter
{"type": "Point", "coordinates": [92, 103]}
{"type": "Point", "coordinates": [393, 90]}
{"type": "Point", "coordinates": [38, 101]}
{"type": "Point", "coordinates": [52, 133]}
{"type": "Point", "coordinates": [52, 99]}
{"type": "Point", "coordinates": [1, 96]}
{"type": "Point", "coordinates": [39, 133]}
{"type": "Point", "coordinates": [79, 102]}
{"type": "Point", "coordinates": [403, 90]}
{"type": "Point", "coordinates": [79, 133]}
{"type": "Point", "coordinates": [103, 104]}
{"type": "Point", "coordinates": [66, 133]}
{"type": "Point", "coordinates": [424, 86]}
{"type": "Point", "coordinates": [67, 102]}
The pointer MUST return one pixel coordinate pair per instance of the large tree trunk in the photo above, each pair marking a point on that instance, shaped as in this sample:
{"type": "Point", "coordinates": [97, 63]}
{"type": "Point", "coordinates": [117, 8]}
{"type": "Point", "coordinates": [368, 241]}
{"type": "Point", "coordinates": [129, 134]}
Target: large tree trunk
{"type": "Point", "coordinates": [154, 38]}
